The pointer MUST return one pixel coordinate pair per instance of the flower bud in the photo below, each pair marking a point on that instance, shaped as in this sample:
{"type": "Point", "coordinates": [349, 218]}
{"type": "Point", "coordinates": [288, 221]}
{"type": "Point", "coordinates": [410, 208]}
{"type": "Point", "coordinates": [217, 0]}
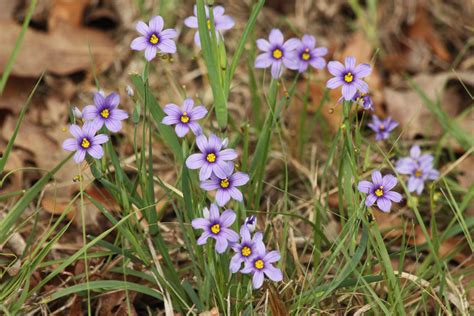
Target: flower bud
{"type": "Point", "coordinates": [251, 223]}
{"type": "Point", "coordinates": [76, 112]}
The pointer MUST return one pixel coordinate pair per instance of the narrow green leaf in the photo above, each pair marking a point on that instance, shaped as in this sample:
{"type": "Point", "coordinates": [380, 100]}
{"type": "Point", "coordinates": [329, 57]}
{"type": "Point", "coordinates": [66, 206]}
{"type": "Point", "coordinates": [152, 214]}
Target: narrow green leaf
{"type": "Point", "coordinates": [240, 48]}
{"type": "Point", "coordinates": [16, 49]}
{"type": "Point", "coordinates": [166, 132]}
{"type": "Point", "coordinates": [462, 136]}
{"type": "Point", "coordinates": [212, 63]}
{"type": "Point", "coordinates": [6, 152]}
{"type": "Point", "coordinates": [104, 286]}
{"type": "Point", "coordinates": [15, 212]}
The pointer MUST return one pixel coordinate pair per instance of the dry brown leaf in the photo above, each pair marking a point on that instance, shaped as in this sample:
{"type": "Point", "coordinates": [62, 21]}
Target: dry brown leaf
{"type": "Point", "coordinates": [422, 29]}
{"type": "Point", "coordinates": [277, 306]}
{"type": "Point", "coordinates": [16, 93]}
{"type": "Point", "coordinates": [68, 12]}
{"type": "Point", "coordinates": [445, 248]}
{"type": "Point", "coordinates": [103, 196]}
{"type": "Point", "coordinates": [76, 306]}
{"type": "Point", "coordinates": [7, 9]}
{"type": "Point", "coordinates": [408, 108]}
{"type": "Point", "coordinates": [62, 52]}
{"type": "Point", "coordinates": [115, 304]}
{"type": "Point", "coordinates": [417, 50]}
{"type": "Point", "coordinates": [14, 182]}
{"type": "Point", "coordinates": [466, 179]}
{"type": "Point", "coordinates": [57, 205]}
{"type": "Point", "coordinates": [213, 312]}
{"type": "Point", "coordinates": [390, 223]}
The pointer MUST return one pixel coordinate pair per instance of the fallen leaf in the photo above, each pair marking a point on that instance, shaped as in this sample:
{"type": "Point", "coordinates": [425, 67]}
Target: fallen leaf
{"type": "Point", "coordinates": [115, 304]}
{"type": "Point", "coordinates": [76, 306]}
{"type": "Point", "coordinates": [418, 45]}
{"type": "Point", "coordinates": [417, 119]}
{"type": "Point", "coordinates": [14, 182]}
{"type": "Point", "coordinates": [213, 312]}
{"type": "Point", "coordinates": [57, 204]}
{"type": "Point", "coordinates": [446, 247]}
{"type": "Point", "coordinates": [16, 93]}
{"type": "Point", "coordinates": [7, 9]}
{"type": "Point", "coordinates": [68, 12]}
{"type": "Point", "coordinates": [422, 29]}
{"type": "Point", "coordinates": [62, 52]}
{"type": "Point", "coordinates": [391, 224]}
{"type": "Point", "coordinates": [277, 306]}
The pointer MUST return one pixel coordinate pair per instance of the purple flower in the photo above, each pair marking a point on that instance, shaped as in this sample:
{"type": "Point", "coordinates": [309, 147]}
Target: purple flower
{"type": "Point", "coordinates": [417, 157]}
{"type": "Point", "coordinates": [419, 167]}
{"type": "Point", "coordinates": [363, 100]}
{"type": "Point", "coordinates": [76, 112]}
{"type": "Point", "coordinates": [379, 190]}
{"type": "Point", "coordinates": [251, 223]}
{"type": "Point", "coordinates": [277, 53]}
{"type": "Point", "coordinates": [221, 22]}
{"type": "Point", "coordinates": [382, 128]}
{"type": "Point", "coordinates": [85, 141]}
{"type": "Point", "coordinates": [104, 111]}
{"type": "Point", "coordinates": [154, 38]}
{"type": "Point", "coordinates": [246, 249]}
{"type": "Point", "coordinates": [185, 118]}
{"type": "Point", "coordinates": [226, 186]}
{"type": "Point", "coordinates": [307, 54]}
{"type": "Point", "coordinates": [349, 76]}
{"type": "Point", "coordinates": [216, 226]}
{"type": "Point", "coordinates": [211, 158]}
{"type": "Point", "coordinates": [261, 265]}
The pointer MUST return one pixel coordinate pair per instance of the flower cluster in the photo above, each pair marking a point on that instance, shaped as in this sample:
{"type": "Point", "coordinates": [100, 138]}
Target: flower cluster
{"type": "Point", "coordinates": [293, 54]}
{"type": "Point", "coordinates": [419, 167]}
{"type": "Point", "coordinates": [221, 22]}
{"type": "Point", "coordinates": [215, 161]}
{"type": "Point", "coordinates": [85, 139]}
{"type": "Point", "coordinates": [249, 250]}
{"type": "Point", "coordinates": [216, 172]}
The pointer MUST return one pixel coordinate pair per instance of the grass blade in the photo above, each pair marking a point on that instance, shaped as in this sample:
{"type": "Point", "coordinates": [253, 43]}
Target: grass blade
{"type": "Point", "coordinates": [212, 63]}
{"type": "Point", "coordinates": [16, 49]}
{"type": "Point", "coordinates": [9, 147]}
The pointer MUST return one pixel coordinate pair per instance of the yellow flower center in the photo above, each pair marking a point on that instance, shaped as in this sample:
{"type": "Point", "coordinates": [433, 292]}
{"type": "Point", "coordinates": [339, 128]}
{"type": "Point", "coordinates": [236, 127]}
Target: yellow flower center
{"type": "Point", "coordinates": [418, 173]}
{"type": "Point", "coordinates": [85, 143]}
{"type": "Point", "coordinates": [259, 264]}
{"type": "Point", "coordinates": [211, 157]}
{"type": "Point", "coordinates": [215, 229]}
{"type": "Point", "coordinates": [379, 191]}
{"type": "Point", "coordinates": [184, 118]}
{"type": "Point", "coordinates": [277, 53]}
{"type": "Point", "coordinates": [208, 24]}
{"type": "Point", "coordinates": [348, 77]}
{"type": "Point", "coordinates": [382, 127]}
{"type": "Point", "coordinates": [105, 113]}
{"type": "Point", "coordinates": [154, 39]}
{"type": "Point", "coordinates": [246, 251]}
{"type": "Point", "coordinates": [306, 55]}
{"type": "Point", "coordinates": [225, 183]}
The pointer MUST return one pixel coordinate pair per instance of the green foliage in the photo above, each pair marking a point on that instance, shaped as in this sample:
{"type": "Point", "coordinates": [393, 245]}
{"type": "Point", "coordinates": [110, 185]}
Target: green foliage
{"type": "Point", "coordinates": [354, 266]}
